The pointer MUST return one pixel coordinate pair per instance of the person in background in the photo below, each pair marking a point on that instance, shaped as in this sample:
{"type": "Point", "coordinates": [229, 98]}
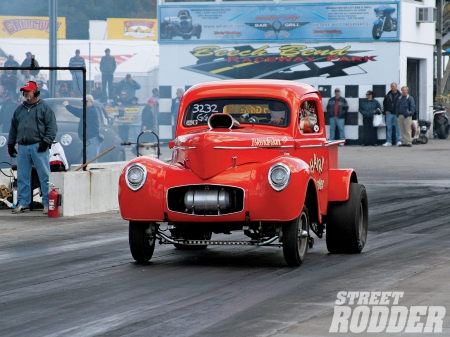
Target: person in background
{"type": "Point", "coordinates": [390, 107]}
{"type": "Point", "coordinates": [27, 63]}
{"type": "Point", "coordinates": [44, 92]}
{"type": "Point", "coordinates": [77, 75]}
{"type": "Point", "coordinates": [148, 116]}
{"type": "Point", "coordinates": [107, 68]}
{"type": "Point", "coordinates": [63, 92]}
{"type": "Point", "coordinates": [123, 99]}
{"type": "Point", "coordinates": [368, 107]}
{"type": "Point", "coordinates": [174, 108]}
{"type": "Point", "coordinates": [92, 126]}
{"type": "Point", "coordinates": [2, 92]}
{"type": "Point", "coordinates": [129, 85]}
{"type": "Point", "coordinates": [406, 108]}
{"type": "Point", "coordinates": [7, 111]}
{"type": "Point", "coordinates": [337, 107]}
{"type": "Point", "coordinates": [9, 81]}
{"type": "Point", "coordinates": [11, 63]}
{"type": "Point", "coordinates": [33, 127]}
{"type": "Point", "coordinates": [25, 78]}
{"type": "Point", "coordinates": [97, 91]}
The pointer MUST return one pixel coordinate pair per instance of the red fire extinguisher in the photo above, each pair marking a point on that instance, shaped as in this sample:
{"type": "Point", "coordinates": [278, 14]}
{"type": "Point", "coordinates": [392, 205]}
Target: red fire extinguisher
{"type": "Point", "coordinates": [54, 200]}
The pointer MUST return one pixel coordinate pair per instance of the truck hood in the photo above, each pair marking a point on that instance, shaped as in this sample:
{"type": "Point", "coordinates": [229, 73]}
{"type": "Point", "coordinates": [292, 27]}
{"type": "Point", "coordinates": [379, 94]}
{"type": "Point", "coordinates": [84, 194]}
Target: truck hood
{"type": "Point", "coordinates": [210, 152]}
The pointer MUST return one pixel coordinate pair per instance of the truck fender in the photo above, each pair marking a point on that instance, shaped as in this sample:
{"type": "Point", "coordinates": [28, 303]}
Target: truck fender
{"type": "Point", "coordinates": [339, 189]}
{"type": "Point", "coordinates": [134, 205]}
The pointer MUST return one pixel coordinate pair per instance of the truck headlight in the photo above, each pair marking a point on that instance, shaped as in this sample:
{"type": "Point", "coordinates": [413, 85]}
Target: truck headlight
{"type": "Point", "coordinates": [279, 176]}
{"type": "Point", "coordinates": [135, 176]}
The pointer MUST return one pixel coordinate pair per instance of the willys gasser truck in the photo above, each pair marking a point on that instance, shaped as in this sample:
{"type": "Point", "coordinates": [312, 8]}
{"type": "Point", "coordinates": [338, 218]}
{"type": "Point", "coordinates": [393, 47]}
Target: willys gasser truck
{"type": "Point", "coordinates": [249, 156]}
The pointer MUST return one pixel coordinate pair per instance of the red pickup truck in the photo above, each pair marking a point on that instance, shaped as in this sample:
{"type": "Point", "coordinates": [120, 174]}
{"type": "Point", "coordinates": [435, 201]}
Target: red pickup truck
{"type": "Point", "coordinates": [249, 156]}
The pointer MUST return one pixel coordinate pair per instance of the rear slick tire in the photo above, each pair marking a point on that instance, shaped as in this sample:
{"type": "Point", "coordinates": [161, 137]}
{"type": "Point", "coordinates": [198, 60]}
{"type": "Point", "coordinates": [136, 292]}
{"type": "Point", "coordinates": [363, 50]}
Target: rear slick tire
{"type": "Point", "coordinates": [295, 246]}
{"type": "Point", "coordinates": [347, 222]}
{"type": "Point", "coordinates": [142, 242]}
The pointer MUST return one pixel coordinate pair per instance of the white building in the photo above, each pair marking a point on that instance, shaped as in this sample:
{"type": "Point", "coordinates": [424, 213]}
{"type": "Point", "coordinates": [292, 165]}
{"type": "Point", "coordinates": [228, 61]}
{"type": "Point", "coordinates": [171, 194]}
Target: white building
{"type": "Point", "coordinates": [326, 44]}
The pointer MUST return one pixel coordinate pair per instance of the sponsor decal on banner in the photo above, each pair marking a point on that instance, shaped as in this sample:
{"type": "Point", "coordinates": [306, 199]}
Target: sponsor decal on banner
{"type": "Point", "coordinates": [308, 22]}
{"type": "Point", "coordinates": [382, 312]}
{"type": "Point", "coordinates": [30, 27]}
{"type": "Point", "coordinates": [289, 62]}
{"type": "Point", "coordinates": [130, 29]}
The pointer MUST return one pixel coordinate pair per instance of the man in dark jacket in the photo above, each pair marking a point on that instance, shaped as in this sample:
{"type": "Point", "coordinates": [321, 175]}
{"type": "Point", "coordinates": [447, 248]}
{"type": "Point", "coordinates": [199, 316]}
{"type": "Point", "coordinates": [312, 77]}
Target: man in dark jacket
{"type": "Point", "coordinates": [129, 85]}
{"type": "Point", "coordinates": [27, 63]}
{"type": "Point", "coordinates": [406, 108]}
{"type": "Point", "coordinates": [92, 126]}
{"type": "Point", "coordinates": [390, 107]}
{"type": "Point", "coordinates": [34, 128]}
{"type": "Point", "coordinates": [11, 63]}
{"type": "Point", "coordinates": [337, 107]}
{"type": "Point", "coordinates": [107, 68]}
{"type": "Point", "coordinates": [148, 116]}
{"type": "Point", "coordinates": [368, 108]}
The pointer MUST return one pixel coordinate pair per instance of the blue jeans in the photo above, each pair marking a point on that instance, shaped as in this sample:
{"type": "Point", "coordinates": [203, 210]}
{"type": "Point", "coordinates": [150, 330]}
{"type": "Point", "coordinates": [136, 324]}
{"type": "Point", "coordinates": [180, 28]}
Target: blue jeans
{"type": "Point", "coordinates": [92, 148]}
{"type": "Point", "coordinates": [27, 155]}
{"type": "Point", "coordinates": [77, 82]}
{"type": "Point", "coordinates": [340, 123]}
{"type": "Point", "coordinates": [391, 120]}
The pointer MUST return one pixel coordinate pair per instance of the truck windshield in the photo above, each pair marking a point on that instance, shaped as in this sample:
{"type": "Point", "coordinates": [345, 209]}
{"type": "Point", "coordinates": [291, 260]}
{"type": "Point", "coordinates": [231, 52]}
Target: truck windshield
{"type": "Point", "coordinates": [245, 111]}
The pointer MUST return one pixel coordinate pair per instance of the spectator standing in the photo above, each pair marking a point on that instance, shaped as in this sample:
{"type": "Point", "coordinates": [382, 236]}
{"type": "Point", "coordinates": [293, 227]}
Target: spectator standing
{"type": "Point", "coordinates": [6, 111]}
{"type": "Point", "coordinates": [107, 68]}
{"type": "Point", "coordinates": [25, 78]}
{"type": "Point", "coordinates": [390, 107]}
{"type": "Point", "coordinates": [27, 63]}
{"type": "Point", "coordinates": [406, 108]}
{"type": "Point", "coordinates": [44, 92]}
{"type": "Point", "coordinates": [9, 81]}
{"type": "Point", "coordinates": [175, 106]}
{"type": "Point", "coordinates": [92, 126]}
{"type": "Point", "coordinates": [129, 85]}
{"type": "Point", "coordinates": [77, 75]}
{"type": "Point", "coordinates": [33, 127]}
{"type": "Point", "coordinates": [368, 108]}
{"type": "Point", "coordinates": [11, 63]}
{"type": "Point", "coordinates": [148, 116]}
{"type": "Point", "coordinates": [337, 107]}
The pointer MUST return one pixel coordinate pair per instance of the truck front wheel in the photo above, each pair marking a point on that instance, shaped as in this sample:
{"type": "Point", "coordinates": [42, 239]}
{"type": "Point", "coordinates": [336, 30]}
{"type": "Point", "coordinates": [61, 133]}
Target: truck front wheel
{"type": "Point", "coordinates": [141, 240]}
{"type": "Point", "coordinates": [347, 222]}
{"type": "Point", "coordinates": [295, 239]}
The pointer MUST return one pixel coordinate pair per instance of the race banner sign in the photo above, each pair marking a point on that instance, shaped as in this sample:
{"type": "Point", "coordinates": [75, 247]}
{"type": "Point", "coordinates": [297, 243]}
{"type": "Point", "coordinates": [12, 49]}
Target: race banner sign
{"type": "Point", "coordinates": [30, 27]}
{"type": "Point", "coordinates": [306, 22]}
{"type": "Point", "coordinates": [132, 29]}
{"type": "Point", "coordinates": [341, 63]}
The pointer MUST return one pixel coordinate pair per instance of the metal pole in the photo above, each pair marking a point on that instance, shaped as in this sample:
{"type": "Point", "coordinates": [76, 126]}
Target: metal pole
{"type": "Point", "coordinates": [90, 72]}
{"type": "Point", "coordinates": [84, 118]}
{"type": "Point", "coordinates": [53, 29]}
{"type": "Point", "coordinates": [439, 47]}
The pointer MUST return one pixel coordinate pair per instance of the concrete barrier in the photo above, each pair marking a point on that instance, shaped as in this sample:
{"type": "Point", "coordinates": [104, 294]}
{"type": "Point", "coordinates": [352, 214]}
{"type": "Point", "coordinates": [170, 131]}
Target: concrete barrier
{"type": "Point", "coordinates": [84, 192]}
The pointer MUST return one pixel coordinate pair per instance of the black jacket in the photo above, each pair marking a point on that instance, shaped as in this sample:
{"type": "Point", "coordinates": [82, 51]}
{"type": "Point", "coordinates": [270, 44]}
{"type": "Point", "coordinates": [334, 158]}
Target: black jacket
{"type": "Point", "coordinates": [342, 107]}
{"type": "Point", "coordinates": [148, 119]}
{"type": "Point", "coordinates": [390, 101]}
{"type": "Point", "coordinates": [108, 65]}
{"type": "Point", "coordinates": [91, 120]}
